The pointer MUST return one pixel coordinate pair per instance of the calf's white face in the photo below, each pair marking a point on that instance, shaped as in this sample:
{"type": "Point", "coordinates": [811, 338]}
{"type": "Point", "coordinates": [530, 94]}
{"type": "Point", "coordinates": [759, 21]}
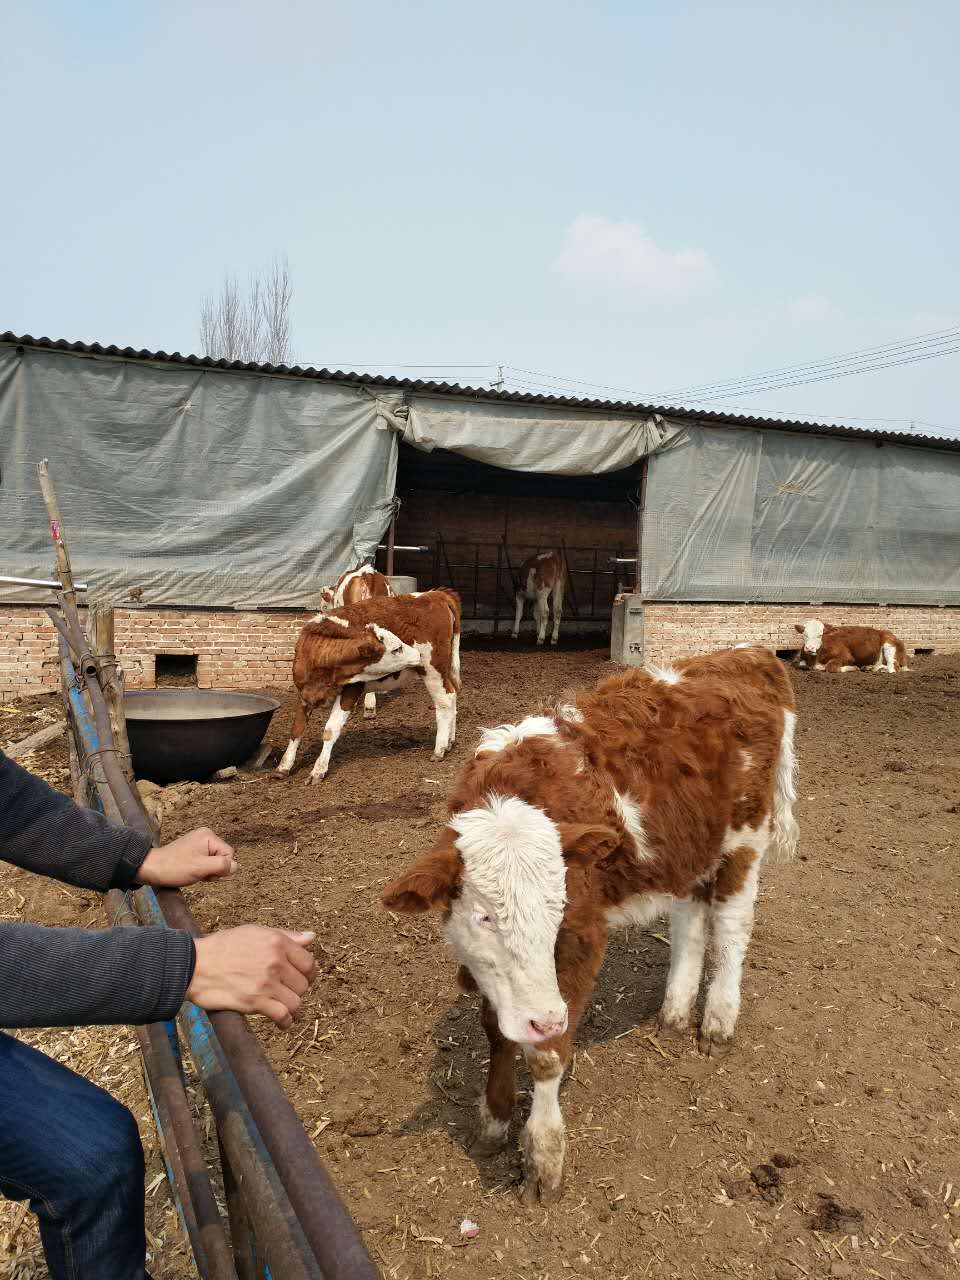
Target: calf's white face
{"type": "Point", "coordinates": [504, 924]}
{"type": "Point", "coordinates": [812, 633]}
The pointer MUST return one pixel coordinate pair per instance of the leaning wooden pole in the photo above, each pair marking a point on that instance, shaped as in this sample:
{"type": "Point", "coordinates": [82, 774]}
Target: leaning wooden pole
{"type": "Point", "coordinates": [56, 532]}
{"type": "Point", "coordinates": [102, 634]}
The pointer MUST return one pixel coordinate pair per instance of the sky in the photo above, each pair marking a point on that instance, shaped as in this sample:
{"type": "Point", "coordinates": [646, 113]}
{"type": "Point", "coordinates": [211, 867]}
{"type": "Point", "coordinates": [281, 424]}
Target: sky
{"type": "Point", "coordinates": [642, 197]}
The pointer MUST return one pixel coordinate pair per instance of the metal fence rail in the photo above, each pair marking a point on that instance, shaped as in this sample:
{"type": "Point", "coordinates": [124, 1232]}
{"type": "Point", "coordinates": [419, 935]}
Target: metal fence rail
{"type": "Point", "coordinates": [286, 1220]}
{"type": "Point", "coordinates": [484, 574]}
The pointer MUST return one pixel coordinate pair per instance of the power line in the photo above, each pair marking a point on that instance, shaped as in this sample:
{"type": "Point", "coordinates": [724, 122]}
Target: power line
{"type": "Point", "coordinates": [865, 355]}
{"type": "Point", "coordinates": [832, 375]}
{"type": "Point", "coordinates": [534, 388]}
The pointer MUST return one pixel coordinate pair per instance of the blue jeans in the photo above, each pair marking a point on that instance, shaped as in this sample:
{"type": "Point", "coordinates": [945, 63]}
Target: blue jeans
{"type": "Point", "coordinates": [73, 1152]}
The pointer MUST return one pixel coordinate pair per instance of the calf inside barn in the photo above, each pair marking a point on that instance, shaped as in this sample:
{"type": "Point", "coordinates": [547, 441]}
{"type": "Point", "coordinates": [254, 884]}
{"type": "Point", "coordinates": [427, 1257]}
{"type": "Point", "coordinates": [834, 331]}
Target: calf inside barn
{"type": "Point", "coordinates": [342, 653]}
{"type": "Point", "coordinates": [658, 790]}
{"type": "Point", "coordinates": [827, 648]}
{"type": "Point", "coordinates": [542, 577]}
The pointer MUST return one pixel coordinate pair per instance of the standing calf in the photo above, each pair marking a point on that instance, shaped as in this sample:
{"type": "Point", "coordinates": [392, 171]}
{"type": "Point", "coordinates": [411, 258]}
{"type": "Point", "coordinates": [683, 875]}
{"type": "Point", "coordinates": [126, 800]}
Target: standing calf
{"type": "Point", "coordinates": [540, 576]}
{"type": "Point", "coordinates": [658, 790]}
{"type": "Point", "coordinates": [362, 583]}
{"type": "Point", "coordinates": [827, 648]}
{"type": "Point", "coordinates": [341, 652]}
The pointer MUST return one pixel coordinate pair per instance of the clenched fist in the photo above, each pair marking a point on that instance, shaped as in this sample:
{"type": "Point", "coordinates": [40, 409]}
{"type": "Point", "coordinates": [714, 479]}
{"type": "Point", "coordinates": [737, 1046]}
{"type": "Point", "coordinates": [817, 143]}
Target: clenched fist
{"type": "Point", "coordinates": [199, 855]}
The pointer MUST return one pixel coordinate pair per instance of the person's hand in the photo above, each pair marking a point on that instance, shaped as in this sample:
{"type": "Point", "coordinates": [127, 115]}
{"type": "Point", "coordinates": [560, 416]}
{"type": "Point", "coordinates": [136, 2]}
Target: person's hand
{"type": "Point", "coordinates": [199, 855]}
{"type": "Point", "coordinates": [253, 969]}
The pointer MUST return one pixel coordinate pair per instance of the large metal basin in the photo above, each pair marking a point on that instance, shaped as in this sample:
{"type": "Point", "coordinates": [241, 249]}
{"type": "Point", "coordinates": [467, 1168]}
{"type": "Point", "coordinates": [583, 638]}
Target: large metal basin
{"type": "Point", "coordinates": [181, 735]}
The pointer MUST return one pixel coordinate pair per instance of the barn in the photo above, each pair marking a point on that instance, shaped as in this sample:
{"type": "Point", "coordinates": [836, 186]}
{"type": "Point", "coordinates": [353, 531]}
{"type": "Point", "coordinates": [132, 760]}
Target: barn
{"type": "Point", "coordinates": [211, 502]}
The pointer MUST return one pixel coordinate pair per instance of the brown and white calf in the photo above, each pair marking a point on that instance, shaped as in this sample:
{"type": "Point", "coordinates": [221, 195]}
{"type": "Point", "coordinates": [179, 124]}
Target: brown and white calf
{"type": "Point", "coordinates": [827, 648]}
{"type": "Point", "coordinates": [357, 648]}
{"type": "Point", "coordinates": [362, 583]}
{"type": "Point", "coordinates": [659, 790]}
{"type": "Point", "coordinates": [541, 576]}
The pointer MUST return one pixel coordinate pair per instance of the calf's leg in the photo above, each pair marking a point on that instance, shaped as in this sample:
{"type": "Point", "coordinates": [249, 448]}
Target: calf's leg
{"type": "Point", "coordinates": [557, 609]}
{"type": "Point", "coordinates": [498, 1103]}
{"type": "Point", "coordinates": [735, 893]}
{"type": "Point", "coordinates": [296, 737]}
{"type": "Point", "coordinates": [339, 715]}
{"type": "Point", "coordinates": [369, 706]}
{"type": "Point", "coordinates": [445, 706]}
{"type": "Point", "coordinates": [518, 616]}
{"type": "Point", "coordinates": [545, 1134]}
{"type": "Point", "coordinates": [541, 611]}
{"type": "Point", "coordinates": [688, 941]}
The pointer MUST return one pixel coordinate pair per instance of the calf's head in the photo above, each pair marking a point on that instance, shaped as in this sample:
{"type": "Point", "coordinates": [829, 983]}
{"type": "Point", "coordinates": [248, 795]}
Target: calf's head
{"type": "Point", "coordinates": [812, 632]}
{"type": "Point", "coordinates": [499, 874]}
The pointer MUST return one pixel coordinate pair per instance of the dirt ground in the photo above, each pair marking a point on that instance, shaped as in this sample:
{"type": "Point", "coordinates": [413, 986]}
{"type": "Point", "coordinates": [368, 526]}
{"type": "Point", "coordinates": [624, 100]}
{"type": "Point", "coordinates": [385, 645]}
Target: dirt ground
{"type": "Point", "coordinates": [826, 1144]}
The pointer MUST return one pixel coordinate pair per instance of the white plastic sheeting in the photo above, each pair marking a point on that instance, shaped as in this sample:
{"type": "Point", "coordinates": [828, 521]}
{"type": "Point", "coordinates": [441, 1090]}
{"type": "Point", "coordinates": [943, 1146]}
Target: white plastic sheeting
{"type": "Point", "coordinates": [762, 515]}
{"type": "Point", "coordinates": [519, 437]}
{"type": "Point", "coordinates": [198, 486]}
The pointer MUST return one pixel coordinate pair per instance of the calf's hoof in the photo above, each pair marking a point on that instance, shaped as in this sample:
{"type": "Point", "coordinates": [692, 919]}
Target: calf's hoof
{"type": "Point", "coordinates": [540, 1190]}
{"type": "Point", "coordinates": [315, 779]}
{"type": "Point", "coordinates": [369, 713]}
{"type": "Point", "coordinates": [282, 773]}
{"type": "Point", "coordinates": [716, 1034]}
{"type": "Point", "coordinates": [671, 1023]}
{"type": "Point", "coordinates": [714, 1046]}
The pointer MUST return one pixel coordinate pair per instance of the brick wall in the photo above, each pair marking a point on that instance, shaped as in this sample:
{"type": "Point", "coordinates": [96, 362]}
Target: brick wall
{"type": "Point", "coordinates": [252, 650]}
{"type": "Point", "coordinates": [234, 649]}
{"type": "Point", "coordinates": [675, 630]}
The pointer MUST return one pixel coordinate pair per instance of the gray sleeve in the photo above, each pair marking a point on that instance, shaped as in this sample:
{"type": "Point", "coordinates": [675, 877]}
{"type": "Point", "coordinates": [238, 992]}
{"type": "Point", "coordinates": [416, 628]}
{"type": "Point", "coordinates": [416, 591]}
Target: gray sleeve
{"type": "Point", "coordinates": [79, 977]}
{"type": "Point", "coordinates": [42, 830]}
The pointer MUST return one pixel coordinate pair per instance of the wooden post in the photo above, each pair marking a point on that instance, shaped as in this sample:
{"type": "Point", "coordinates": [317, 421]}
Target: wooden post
{"type": "Point", "coordinates": [56, 532]}
{"type": "Point", "coordinates": [102, 642]}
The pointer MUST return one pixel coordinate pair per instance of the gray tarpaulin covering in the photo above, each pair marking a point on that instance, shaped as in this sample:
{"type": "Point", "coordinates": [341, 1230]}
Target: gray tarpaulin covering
{"type": "Point", "coordinates": [226, 488]}
{"type": "Point", "coordinates": [199, 486]}
{"type": "Point", "coordinates": [560, 442]}
{"type": "Point", "coordinates": [763, 515]}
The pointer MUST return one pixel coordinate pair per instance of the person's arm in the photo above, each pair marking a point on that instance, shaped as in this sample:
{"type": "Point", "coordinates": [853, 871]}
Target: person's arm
{"type": "Point", "coordinates": [43, 830]}
{"type": "Point", "coordinates": [77, 977]}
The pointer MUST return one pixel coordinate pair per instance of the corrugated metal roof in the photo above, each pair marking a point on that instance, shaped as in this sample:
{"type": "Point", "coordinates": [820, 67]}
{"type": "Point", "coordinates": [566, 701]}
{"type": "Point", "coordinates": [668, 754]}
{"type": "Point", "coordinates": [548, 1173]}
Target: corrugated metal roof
{"type": "Point", "coordinates": [485, 393]}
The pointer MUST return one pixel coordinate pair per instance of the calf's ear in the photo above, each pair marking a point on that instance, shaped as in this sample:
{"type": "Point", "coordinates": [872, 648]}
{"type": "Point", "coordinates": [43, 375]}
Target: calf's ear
{"type": "Point", "coordinates": [588, 841]}
{"type": "Point", "coordinates": [432, 881]}
{"type": "Point", "coordinates": [797, 627]}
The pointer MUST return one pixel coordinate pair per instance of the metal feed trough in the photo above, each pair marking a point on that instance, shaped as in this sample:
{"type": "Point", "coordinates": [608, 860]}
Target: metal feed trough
{"type": "Point", "coordinates": [184, 735]}
{"type": "Point", "coordinates": [286, 1221]}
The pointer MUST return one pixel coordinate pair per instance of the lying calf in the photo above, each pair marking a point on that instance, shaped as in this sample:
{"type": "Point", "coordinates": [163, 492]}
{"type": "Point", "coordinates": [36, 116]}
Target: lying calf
{"type": "Point", "coordinates": [658, 790]}
{"type": "Point", "coordinates": [827, 648]}
{"type": "Point", "coordinates": [346, 652]}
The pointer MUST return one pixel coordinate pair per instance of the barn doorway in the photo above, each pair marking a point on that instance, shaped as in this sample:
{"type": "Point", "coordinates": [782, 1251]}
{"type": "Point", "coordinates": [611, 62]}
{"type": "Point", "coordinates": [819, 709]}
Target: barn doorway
{"type": "Point", "coordinates": [475, 524]}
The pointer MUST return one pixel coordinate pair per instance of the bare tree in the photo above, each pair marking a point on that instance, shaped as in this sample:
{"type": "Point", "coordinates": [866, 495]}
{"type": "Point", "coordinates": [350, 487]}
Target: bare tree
{"type": "Point", "coordinates": [252, 327]}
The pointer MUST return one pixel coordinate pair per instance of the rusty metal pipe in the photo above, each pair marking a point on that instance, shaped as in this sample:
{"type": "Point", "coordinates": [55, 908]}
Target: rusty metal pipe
{"type": "Point", "coordinates": [327, 1225]}
{"type": "Point", "coordinates": [186, 1167]}
{"type": "Point", "coordinates": [332, 1233]}
{"type": "Point", "coordinates": [284, 1178]}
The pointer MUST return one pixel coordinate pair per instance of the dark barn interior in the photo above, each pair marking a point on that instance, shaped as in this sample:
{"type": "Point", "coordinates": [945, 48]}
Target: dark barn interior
{"type": "Point", "coordinates": [478, 523]}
